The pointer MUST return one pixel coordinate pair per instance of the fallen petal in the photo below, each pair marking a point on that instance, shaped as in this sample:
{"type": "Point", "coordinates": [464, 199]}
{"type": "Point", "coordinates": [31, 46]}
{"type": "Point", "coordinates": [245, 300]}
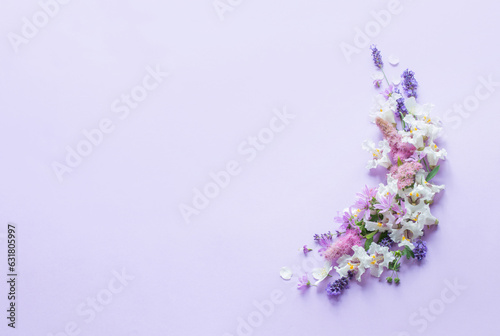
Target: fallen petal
{"type": "Point", "coordinates": [377, 75]}
{"type": "Point", "coordinates": [286, 273]}
{"type": "Point", "coordinates": [393, 60]}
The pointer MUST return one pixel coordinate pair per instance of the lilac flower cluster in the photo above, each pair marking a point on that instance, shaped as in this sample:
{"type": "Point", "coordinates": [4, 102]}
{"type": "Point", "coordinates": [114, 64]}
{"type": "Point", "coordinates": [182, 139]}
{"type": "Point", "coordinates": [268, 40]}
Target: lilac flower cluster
{"type": "Point", "coordinates": [420, 250]}
{"type": "Point", "coordinates": [324, 239]}
{"type": "Point", "coordinates": [387, 242]}
{"type": "Point", "coordinates": [377, 59]}
{"type": "Point", "coordinates": [336, 287]}
{"type": "Point", "coordinates": [401, 112]}
{"type": "Point", "coordinates": [409, 83]}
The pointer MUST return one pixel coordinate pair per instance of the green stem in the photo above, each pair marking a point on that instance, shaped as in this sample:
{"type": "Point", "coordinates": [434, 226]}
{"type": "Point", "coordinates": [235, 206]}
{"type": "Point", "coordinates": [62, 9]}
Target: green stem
{"type": "Point", "coordinates": [402, 121]}
{"type": "Point", "coordinates": [386, 80]}
{"type": "Point", "coordinates": [426, 164]}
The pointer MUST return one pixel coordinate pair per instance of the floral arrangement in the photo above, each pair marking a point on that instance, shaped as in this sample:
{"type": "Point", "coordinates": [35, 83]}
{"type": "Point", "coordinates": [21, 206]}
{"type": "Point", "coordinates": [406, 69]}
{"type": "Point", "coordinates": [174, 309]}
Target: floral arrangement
{"type": "Point", "coordinates": [388, 222]}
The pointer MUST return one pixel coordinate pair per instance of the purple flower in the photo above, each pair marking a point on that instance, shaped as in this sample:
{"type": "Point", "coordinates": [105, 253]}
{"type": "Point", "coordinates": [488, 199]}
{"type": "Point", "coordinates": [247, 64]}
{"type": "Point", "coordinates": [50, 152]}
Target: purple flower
{"type": "Point", "coordinates": [365, 197]}
{"type": "Point", "coordinates": [400, 210]}
{"type": "Point", "coordinates": [401, 108]}
{"type": "Point", "coordinates": [324, 239]}
{"type": "Point", "coordinates": [386, 202]}
{"type": "Point", "coordinates": [336, 287]}
{"type": "Point", "coordinates": [377, 59]}
{"type": "Point", "coordinates": [306, 250]}
{"type": "Point", "coordinates": [387, 242]}
{"type": "Point", "coordinates": [409, 83]}
{"type": "Point", "coordinates": [420, 250]}
{"type": "Point", "coordinates": [388, 92]}
{"type": "Point", "coordinates": [345, 220]}
{"type": "Point", "coordinates": [377, 83]}
{"type": "Point", "coordinates": [303, 282]}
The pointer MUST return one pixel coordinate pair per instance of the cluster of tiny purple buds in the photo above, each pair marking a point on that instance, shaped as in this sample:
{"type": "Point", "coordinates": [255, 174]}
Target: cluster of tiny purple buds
{"type": "Point", "coordinates": [409, 83]}
{"type": "Point", "coordinates": [387, 242]}
{"type": "Point", "coordinates": [420, 250]}
{"type": "Point", "coordinates": [401, 110]}
{"type": "Point", "coordinates": [325, 239]}
{"type": "Point", "coordinates": [401, 106]}
{"type": "Point", "coordinates": [377, 59]}
{"type": "Point", "coordinates": [336, 287]}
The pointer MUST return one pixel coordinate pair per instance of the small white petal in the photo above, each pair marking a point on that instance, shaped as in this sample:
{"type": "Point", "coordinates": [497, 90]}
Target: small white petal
{"type": "Point", "coordinates": [318, 273]}
{"type": "Point", "coordinates": [396, 81]}
{"type": "Point", "coordinates": [286, 273]}
{"type": "Point", "coordinates": [393, 60]}
{"type": "Point", "coordinates": [378, 75]}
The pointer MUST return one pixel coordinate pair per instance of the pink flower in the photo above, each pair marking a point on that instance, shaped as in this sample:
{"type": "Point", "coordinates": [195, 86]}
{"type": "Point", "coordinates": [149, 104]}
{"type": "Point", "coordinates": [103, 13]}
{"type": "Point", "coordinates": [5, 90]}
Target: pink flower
{"type": "Point", "coordinates": [342, 246]}
{"type": "Point", "coordinates": [303, 282]}
{"type": "Point", "coordinates": [405, 174]}
{"type": "Point", "coordinates": [399, 149]}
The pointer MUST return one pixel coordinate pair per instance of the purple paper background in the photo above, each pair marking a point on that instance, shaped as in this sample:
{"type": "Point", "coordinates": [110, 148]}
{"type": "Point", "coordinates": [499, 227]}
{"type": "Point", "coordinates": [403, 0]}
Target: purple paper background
{"type": "Point", "coordinates": [119, 209]}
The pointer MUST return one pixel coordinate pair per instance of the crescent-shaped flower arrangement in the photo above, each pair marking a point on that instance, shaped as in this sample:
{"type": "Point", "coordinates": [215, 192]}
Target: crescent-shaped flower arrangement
{"type": "Point", "coordinates": [385, 223]}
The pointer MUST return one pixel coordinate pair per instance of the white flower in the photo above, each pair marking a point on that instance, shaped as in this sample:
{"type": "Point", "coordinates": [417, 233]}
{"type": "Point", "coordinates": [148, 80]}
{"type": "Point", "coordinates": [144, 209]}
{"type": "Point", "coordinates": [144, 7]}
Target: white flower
{"type": "Point", "coordinates": [434, 154]}
{"type": "Point", "coordinates": [432, 188]}
{"type": "Point", "coordinates": [406, 232]}
{"type": "Point", "coordinates": [417, 194]}
{"type": "Point", "coordinates": [320, 274]}
{"type": "Point", "coordinates": [377, 75]}
{"type": "Point", "coordinates": [384, 108]}
{"type": "Point", "coordinates": [415, 136]}
{"type": "Point", "coordinates": [380, 258]}
{"type": "Point", "coordinates": [420, 213]}
{"type": "Point", "coordinates": [418, 201]}
{"type": "Point", "coordinates": [390, 188]}
{"type": "Point", "coordinates": [421, 124]}
{"type": "Point", "coordinates": [382, 225]}
{"type": "Point", "coordinates": [420, 111]}
{"type": "Point", "coordinates": [380, 154]}
{"type": "Point", "coordinates": [357, 263]}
